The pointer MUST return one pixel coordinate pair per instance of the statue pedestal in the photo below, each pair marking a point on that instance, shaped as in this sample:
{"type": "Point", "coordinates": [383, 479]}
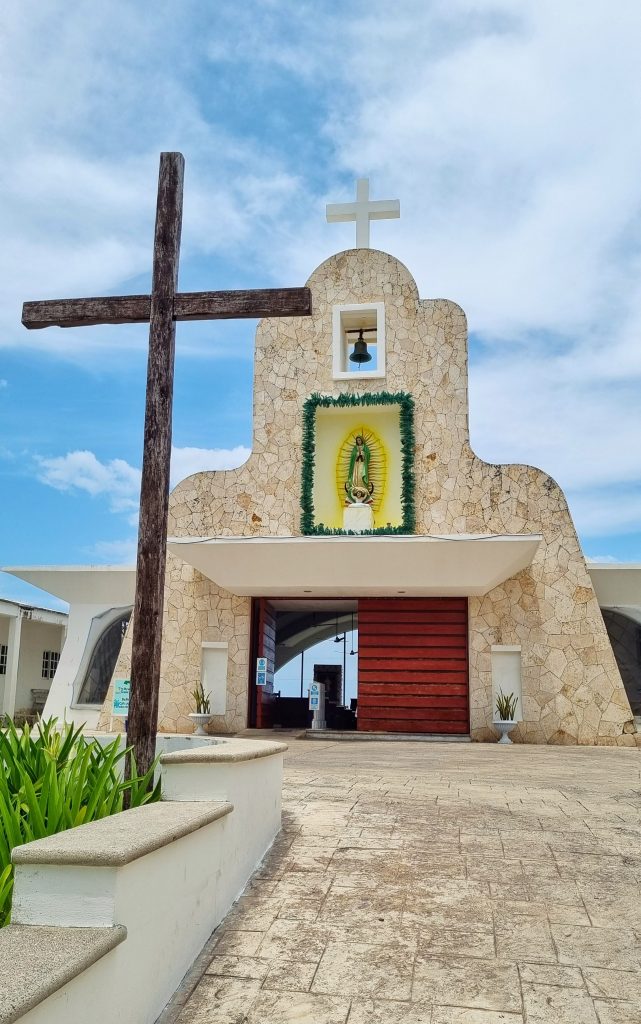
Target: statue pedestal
{"type": "Point", "coordinates": [358, 518]}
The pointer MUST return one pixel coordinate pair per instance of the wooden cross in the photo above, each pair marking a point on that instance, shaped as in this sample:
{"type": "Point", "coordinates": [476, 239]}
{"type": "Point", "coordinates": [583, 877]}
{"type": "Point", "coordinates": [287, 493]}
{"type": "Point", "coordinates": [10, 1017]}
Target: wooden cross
{"type": "Point", "coordinates": [161, 309]}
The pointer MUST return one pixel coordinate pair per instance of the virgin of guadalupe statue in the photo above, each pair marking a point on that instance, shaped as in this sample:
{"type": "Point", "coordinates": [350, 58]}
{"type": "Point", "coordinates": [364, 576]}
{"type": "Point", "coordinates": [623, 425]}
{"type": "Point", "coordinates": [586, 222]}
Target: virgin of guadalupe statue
{"type": "Point", "coordinates": [358, 486]}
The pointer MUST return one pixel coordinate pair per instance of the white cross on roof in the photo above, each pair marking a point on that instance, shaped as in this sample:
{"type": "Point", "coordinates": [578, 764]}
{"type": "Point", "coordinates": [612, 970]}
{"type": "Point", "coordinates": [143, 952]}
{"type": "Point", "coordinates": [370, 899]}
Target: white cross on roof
{"type": "Point", "coordinates": [363, 211]}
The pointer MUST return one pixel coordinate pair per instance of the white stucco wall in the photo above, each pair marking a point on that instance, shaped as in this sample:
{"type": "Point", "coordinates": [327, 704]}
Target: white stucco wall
{"type": "Point", "coordinates": [36, 638]}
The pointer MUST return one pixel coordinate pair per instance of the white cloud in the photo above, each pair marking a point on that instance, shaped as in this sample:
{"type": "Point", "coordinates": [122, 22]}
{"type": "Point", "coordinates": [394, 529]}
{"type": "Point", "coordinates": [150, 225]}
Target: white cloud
{"type": "Point", "coordinates": [187, 461]}
{"type": "Point", "coordinates": [119, 482]}
{"type": "Point", "coordinates": [505, 129]}
{"type": "Point", "coordinates": [82, 471]}
{"type": "Point", "coordinates": [115, 552]}
{"type": "Point", "coordinates": [82, 157]}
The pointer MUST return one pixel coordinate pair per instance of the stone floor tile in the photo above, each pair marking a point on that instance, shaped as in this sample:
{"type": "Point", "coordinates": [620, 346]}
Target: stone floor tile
{"type": "Point", "coordinates": [624, 909]}
{"type": "Point", "coordinates": [384, 1011]}
{"type": "Point", "coordinates": [239, 967]}
{"type": "Point", "coordinates": [613, 984]}
{"type": "Point", "coordinates": [468, 939]}
{"type": "Point", "coordinates": [597, 947]}
{"type": "Point", "coordinates": [300, 908]}
{"type": "Point", "coordinates": [524, 938]}
{"type": "Point", "coordinates": [550, 1004]}
{"type": "Point", "coordinates": [252, 913]}
{"type": "Point", "coordinates": [554, 891]}
{"type": "Point", "coordinates": [377, 933]}
{"type": "Point", "coordinates": [475, 843]}
{"type": "Point", "coordinates": [617, 1011]}
{"type": "Point", "coordinates": [507, 909]}
{"type": "Point", "coordinates": [531, 847]}
{"type": "Point", "coordinates": [509, 890]}
{"type": "Point", "coordinates": [568, 914]}
{"type": "Point", "coordinates": [220, 1001]}
{"type": "Point", "coordinates": [357, 969]}
{"type": "Point", "coordinates": [289, 975]}
{"type": "Point", "coordinates": [301, 847]}
{"type": "Point", "coordinates": [311, 884]}
{"type": "Point", "coordinates": [296, 1008]}
{"type": "Point", "coordinates": [551, 974]}
{"type": "Point", "coordinates": [385, 830]}
{"type": "Point", "coordinates": [478, 984]}
{"type": "Point", "coordinates": [452, 891]}
{"type": "Point", "coordinates": [307, 862]}
{"type": "Point", "coordinates": [294, 940]}
{"type": "Point", "coordinates": [494, 869]}
{"type": "Point", "coordinates": [464, 1015]}
{"type": "Point", "coordinates": [361, 908]}
{"type": "Point", "coordinates": [260, 886]}
{"type": "Point", "coordinates": [239, 943]}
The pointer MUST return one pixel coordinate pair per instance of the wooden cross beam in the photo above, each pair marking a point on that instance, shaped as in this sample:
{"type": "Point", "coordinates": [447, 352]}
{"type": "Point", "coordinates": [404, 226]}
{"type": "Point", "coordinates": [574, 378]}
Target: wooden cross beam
{"type": "Point", "coordinates": [161, 310]}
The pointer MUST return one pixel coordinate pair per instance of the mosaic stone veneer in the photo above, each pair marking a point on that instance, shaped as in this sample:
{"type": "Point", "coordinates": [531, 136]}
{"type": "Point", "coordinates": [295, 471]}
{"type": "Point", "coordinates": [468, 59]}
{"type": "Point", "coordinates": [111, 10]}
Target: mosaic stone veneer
{"type": "Point", "coordinates": [572, 690]}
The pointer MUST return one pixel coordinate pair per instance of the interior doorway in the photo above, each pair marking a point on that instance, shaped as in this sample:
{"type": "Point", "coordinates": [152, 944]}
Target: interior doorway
{"type": "Point", "coordinates": [305, 641]}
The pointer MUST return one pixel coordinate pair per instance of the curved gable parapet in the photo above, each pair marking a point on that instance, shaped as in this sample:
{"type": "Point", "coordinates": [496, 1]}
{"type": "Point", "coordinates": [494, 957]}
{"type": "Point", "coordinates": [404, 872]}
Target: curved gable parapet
{"type": "Point", "coordinates": [572, 689]}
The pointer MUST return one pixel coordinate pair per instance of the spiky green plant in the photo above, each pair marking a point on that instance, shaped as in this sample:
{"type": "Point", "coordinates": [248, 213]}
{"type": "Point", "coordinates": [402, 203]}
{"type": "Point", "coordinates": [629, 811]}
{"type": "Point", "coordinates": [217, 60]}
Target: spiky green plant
{"type": "Point", "coordinates": [57, 779]}
{"type": "Point", "coordinates": [201, 700]}
{"type": "Point", "coordinates": [506, 706]}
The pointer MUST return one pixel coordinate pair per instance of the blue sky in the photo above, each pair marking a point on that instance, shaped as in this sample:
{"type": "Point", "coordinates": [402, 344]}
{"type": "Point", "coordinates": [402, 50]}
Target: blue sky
{"type": "Point", "coordinates": [508, 132]}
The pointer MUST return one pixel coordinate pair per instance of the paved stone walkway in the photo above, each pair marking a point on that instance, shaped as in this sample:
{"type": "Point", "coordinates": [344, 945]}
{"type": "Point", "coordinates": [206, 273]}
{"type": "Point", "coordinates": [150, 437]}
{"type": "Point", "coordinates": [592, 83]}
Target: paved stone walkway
{"type": "Point", "coordinates": [440, 884]}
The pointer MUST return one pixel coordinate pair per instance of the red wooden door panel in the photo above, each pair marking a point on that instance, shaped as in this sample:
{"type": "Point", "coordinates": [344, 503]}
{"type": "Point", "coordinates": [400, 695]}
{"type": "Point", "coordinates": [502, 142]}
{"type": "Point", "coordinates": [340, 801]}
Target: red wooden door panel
{"type": "Point", "coordinates": [412, 665]}
{"type": "Point", "coordinates": [266, 648]}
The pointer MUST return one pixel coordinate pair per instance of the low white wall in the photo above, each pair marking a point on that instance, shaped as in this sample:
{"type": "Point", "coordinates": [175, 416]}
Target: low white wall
{"type": "Point", "coordinates": [253, 786]}
{"type": "Point", "coordinates": [169, 899]}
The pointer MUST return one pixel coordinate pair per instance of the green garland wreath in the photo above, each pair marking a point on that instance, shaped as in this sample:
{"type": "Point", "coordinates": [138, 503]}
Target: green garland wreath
{"type": "Point", "coordinates": [406, 415]}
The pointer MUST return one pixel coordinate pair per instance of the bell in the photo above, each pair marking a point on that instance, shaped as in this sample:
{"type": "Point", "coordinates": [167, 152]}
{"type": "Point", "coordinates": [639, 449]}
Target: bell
{"type": "Point", "coordinates": [360, 353]}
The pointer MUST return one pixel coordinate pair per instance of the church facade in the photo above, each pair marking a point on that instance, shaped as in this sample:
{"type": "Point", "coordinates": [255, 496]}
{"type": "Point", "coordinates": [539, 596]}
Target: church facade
{"type": "Point", "coordinates": [362, 494]}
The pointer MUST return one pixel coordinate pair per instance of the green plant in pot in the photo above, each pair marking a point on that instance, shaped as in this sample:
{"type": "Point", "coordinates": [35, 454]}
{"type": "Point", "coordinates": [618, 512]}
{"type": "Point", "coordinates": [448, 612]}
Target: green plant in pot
{"type": "Point", "coordinates": [201, 716]}
{"type": "Point", "coordinates": [506, 704]}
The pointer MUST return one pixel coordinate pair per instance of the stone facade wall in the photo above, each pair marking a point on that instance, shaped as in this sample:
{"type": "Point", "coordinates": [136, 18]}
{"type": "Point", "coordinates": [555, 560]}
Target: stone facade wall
{"type": "Point", "coordinates": [572, 690]}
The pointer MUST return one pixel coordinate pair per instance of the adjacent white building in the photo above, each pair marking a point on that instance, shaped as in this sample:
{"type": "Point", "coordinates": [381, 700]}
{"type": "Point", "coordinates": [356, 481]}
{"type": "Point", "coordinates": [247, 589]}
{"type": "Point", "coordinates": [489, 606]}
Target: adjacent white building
{"type": "Point", "coordinates": [31, 643]}
{"type": "Point", "coordinates": [100, 599]}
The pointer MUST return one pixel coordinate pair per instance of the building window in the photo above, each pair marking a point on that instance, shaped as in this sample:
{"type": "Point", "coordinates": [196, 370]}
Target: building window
{"type": "Point", "coordinates": [3, 659]}
{"type": "Point", "coordinates": [103, 662]}
{"type": "Point", "coordinates": [50, 661]}
{"type": "Point", "coordinates": [359, 331]}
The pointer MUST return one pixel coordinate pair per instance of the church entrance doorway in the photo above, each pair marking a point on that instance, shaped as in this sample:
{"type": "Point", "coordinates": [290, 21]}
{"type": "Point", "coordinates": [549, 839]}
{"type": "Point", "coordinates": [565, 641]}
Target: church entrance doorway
{"type": "Point", "coordinates": [389, 664]}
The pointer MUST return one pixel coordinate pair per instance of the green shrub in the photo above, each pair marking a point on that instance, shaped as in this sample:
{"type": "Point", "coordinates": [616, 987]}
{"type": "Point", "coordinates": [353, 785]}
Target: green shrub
{"type": "Point", "coordinates": [55, 780]}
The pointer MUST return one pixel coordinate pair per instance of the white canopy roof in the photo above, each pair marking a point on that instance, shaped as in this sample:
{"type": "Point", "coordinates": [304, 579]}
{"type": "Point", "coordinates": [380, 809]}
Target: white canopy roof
{"type": "Point", "coordinates": [83, 584]}
{"type": "Point", "coordinates": [351, 566]}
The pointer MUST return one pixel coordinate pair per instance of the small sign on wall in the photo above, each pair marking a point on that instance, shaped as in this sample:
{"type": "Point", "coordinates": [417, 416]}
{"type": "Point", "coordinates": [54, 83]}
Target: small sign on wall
{"type": "Point", "coordinates": [314, 696]}
{"type": "Point", "coordinates": [261, 671]}
{"type": "Point", "coordinates": [120, 706]}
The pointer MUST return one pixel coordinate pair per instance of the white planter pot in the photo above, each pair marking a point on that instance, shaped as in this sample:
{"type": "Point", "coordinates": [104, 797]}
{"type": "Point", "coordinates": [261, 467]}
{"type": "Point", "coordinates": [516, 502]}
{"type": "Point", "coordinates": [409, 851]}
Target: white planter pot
{"type": "Point", "coordinates": [504, 727]}
{"type": "Point", "coordinates": [200, 721]}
